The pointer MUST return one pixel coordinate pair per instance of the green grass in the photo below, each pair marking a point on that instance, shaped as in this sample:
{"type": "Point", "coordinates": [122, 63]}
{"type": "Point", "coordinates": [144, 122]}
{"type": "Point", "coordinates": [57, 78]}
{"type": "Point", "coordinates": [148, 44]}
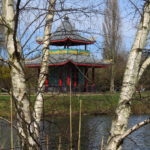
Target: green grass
{"type": "Point", "coordinates": [4, 106]}
{"type": "Point", "coordinates": [91, 104]}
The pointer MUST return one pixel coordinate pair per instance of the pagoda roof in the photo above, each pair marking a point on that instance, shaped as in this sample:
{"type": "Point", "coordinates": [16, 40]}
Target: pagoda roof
{"type": "Point", "coordinates": [66, 34]}
{"type": "Point", "coordinates": [62, 59]}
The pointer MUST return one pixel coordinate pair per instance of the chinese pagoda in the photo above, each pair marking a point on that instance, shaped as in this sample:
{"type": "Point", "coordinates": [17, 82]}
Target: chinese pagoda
{"type": "Point", "coordinates": [69, 65]}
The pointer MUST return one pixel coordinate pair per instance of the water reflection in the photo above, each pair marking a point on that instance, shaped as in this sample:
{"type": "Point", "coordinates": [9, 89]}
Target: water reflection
{"type": "Point", "coordinates": [94, 129]}
{"type": "Point", "coordinates": [139, 140]}
{"type": "Point", "coordinates": [5, 137]}
{"type": "Point", "coordinates": [98, 129]}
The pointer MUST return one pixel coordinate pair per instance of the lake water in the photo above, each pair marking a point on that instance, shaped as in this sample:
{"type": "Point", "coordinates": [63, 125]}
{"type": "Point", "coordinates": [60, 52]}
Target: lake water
{"type": "Point", "coordinates": [94, 129]}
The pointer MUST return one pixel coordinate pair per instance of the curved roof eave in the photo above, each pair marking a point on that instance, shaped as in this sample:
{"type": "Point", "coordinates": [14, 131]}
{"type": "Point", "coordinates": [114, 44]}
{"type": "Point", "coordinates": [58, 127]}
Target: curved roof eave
{"type": "Point", "coordinates": [75, 63]}
{"type": "Point", "coordinates": [58, 42]}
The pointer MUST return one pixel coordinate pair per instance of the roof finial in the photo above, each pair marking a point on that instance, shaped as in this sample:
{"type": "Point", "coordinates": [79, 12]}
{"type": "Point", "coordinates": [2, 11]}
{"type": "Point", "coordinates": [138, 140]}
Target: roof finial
{"type": "Point", "coordinates": [66, 18]}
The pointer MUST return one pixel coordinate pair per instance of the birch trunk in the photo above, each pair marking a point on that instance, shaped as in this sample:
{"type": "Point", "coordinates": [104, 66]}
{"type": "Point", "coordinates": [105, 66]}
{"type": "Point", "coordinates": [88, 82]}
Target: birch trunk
{"type": "Point", "coordinates": [38, 107]}
{"type": "Point", "coordinates": [123, 110]}
{"type": "Point", "coordinates": [19, 90]}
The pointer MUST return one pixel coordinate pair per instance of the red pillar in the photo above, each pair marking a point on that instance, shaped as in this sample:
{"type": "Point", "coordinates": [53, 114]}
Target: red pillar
{"type": "Point", "coordinates": [46, 83]}
{"type": "Point", "coordinates": [68, 80]}
{"type": "Point", "coordinates": [60, 82]}
{"type": "Point", "coordinates": [75, 78]}
{"type": "Point", "coordinates": [68, 76]}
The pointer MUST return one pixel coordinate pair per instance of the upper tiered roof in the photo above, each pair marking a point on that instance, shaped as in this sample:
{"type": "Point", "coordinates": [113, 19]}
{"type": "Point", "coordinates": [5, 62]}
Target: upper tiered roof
{"type": "Point", "coordinates": [67, 35]}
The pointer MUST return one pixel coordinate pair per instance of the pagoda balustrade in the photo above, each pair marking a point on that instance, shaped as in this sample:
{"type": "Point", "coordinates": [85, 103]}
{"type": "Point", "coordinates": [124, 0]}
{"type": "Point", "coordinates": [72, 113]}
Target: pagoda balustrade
{"type": "Point", "coordinates": [69, 51]}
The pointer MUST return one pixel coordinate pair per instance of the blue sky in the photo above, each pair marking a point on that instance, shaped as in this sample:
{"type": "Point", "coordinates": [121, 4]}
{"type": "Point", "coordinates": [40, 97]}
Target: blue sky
{"type": "Point", "coordinates": [91, 22]}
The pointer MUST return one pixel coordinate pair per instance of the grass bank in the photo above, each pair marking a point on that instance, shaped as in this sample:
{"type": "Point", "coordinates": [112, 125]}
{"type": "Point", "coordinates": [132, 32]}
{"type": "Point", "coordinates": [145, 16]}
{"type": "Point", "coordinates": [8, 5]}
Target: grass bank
{"type": "Point", "coordinates": [91, 104]}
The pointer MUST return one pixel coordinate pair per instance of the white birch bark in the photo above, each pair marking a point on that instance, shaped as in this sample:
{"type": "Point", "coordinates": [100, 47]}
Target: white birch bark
{"type": "Point", "coordinates": [120, 122]}
{"type": "Point", "coordinates": [145, 64]}
{"type": "Point", "coordinates": [38, 107]}
{"type": "Point", "coordinates": [19, 90]}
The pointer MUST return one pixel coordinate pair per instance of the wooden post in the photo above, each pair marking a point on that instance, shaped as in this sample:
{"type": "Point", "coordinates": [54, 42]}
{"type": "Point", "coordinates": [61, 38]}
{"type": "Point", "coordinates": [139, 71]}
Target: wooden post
{"type": "Point", "coordinates": [80, 123]}
{"type": "Point", "coordinates": [11, 121]}
{"type": "Point", "coordinates": [70, 117]}
{"type": "Point", "coordinates": [47, 142]}
{"type": "Point", "coordinates": [59, 143]}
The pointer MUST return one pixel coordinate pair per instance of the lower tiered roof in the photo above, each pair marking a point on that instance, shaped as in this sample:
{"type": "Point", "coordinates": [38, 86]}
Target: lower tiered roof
{"type": "Point", "coordinates": [62, 59]}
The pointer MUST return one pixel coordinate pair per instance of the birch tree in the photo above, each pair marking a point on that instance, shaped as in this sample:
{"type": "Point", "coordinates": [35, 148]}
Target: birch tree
{"type": "Point", "coordinates": [38, 107]}
{"type": "Point", "coordinates": [132, 75]}
{"type": "Point", "coordinates": [19, 90]}
{"type": "Point", "coordinates": [28, 124]}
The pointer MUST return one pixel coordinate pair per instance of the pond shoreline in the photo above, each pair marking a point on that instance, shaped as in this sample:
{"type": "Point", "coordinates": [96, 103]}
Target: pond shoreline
{"type": "Point", "coordinates": [90, 114]}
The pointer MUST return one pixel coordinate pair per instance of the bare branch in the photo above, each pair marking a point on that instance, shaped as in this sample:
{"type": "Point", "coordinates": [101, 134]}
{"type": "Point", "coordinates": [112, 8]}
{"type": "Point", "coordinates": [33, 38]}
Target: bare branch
{"type": "Point", "coordinates": [39, 26]}
{"type": "Point", "coordinates": [135, 128]}
{"type": "Point", "coordinates": [22, 8]}
{"type": "Point", "coordinates": [135, 7]}
{"type": "Point", "coordinates": [31, 24]}
{"type": "Point", "coordinates": [145, 64]}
